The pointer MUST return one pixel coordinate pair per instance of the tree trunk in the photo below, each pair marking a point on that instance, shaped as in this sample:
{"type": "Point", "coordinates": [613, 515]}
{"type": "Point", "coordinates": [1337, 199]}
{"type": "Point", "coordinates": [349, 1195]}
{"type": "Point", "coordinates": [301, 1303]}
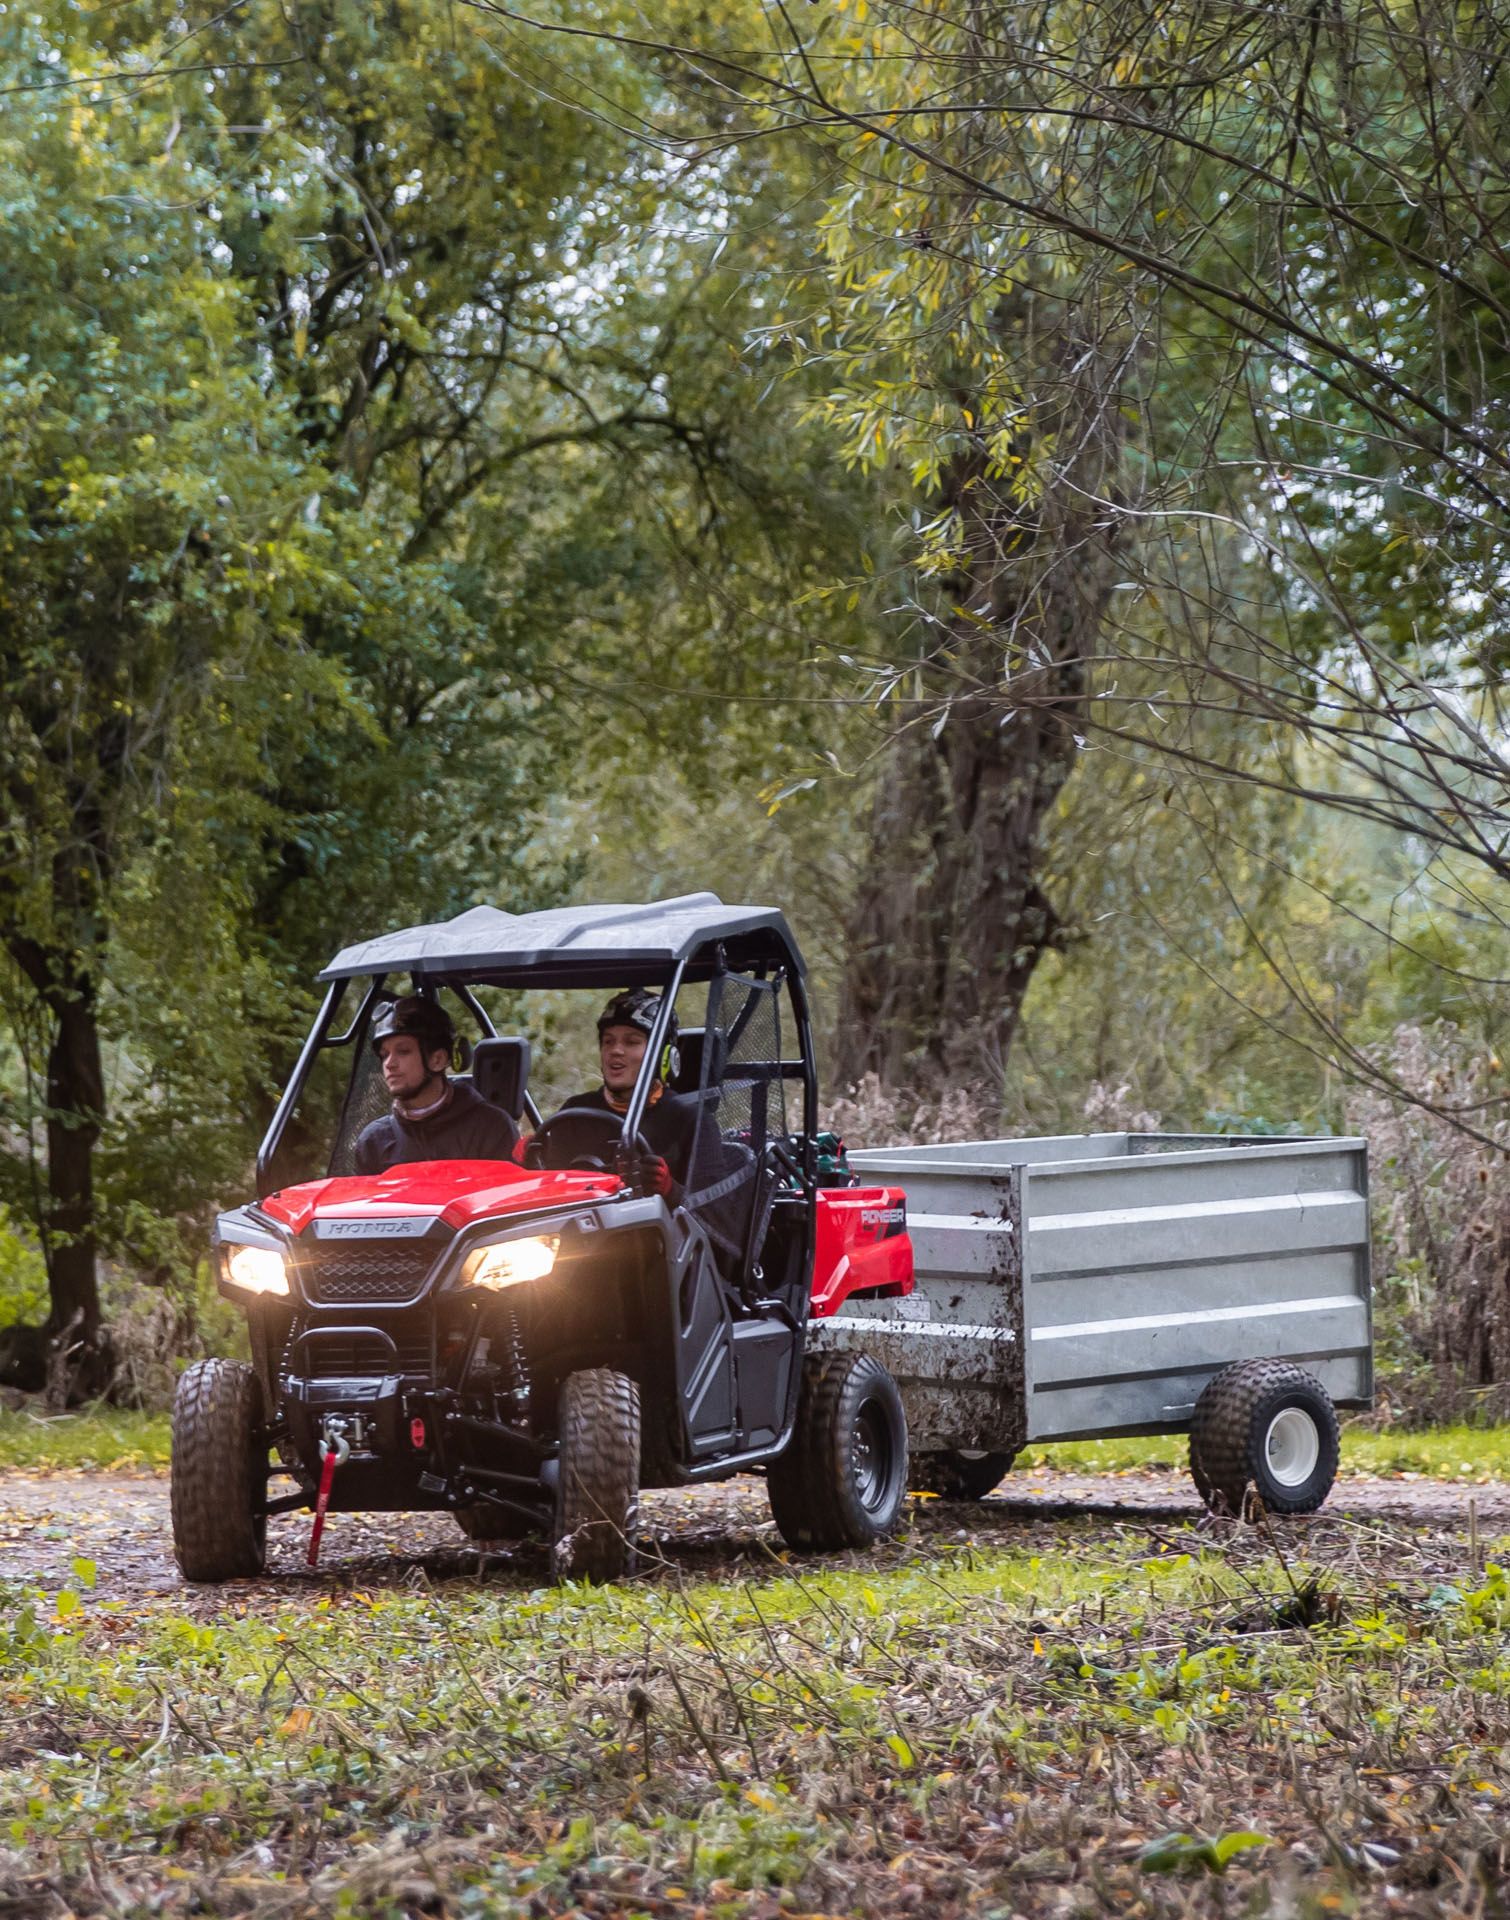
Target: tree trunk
{"type": "Point", "coordinates": [75, 1110]}
{"type": "Point", "coordinates": [65, 979]}
{"type": "Point", "coordinates": [952, 917]}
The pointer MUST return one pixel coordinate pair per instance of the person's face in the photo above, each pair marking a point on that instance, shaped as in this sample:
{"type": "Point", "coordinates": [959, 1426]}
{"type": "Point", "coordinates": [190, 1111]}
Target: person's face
{"type": "Point", "coordinates": [621, 1050]}
{"type": "Point", "coordinates": [407, 1069]}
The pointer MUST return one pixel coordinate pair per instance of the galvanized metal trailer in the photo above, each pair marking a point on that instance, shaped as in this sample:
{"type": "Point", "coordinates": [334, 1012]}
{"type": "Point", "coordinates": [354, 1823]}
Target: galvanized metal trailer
{"type": "Point", "coordinates": [1123, 1283]}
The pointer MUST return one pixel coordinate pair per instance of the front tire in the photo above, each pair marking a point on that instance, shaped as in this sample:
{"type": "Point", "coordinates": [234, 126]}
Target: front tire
{"type": "Point", "coordinates": [598, 1497]}
{"type": "Point", "coordinates": [843, 1478]}
{"type": "Point", "coordinates": [954, 1475]}
{"type": "Point", "coordinates": [219, 1485]}
{"type": "Point", "coordinates": [1268, 1426]}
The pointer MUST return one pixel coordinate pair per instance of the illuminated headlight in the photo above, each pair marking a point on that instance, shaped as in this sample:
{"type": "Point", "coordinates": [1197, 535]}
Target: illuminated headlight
{"type": "Point", "coordinates": [511, 1264]}
{"type": "Point", "coordinates": [255, 1269]}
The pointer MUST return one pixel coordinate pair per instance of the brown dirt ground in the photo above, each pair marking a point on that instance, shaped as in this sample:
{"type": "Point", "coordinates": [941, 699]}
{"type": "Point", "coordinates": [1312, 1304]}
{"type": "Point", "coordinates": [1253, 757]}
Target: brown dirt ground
{"type": "Point", "coordinates": [120, 1521]}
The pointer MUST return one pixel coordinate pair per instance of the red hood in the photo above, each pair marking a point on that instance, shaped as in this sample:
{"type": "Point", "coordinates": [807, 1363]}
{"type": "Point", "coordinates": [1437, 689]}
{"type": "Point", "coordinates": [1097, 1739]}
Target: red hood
{"type": "Point", "coordinates": [457, 1192]}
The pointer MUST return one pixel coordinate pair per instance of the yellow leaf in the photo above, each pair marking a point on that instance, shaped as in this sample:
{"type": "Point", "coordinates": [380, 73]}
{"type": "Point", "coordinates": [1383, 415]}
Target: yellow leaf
{"type": "Point", "coordinates": [297, 1721]}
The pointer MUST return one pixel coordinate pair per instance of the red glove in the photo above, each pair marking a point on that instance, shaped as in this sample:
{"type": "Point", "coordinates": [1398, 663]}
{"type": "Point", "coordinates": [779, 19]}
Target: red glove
{"type": "Point", "coordinates": [656, 1175]}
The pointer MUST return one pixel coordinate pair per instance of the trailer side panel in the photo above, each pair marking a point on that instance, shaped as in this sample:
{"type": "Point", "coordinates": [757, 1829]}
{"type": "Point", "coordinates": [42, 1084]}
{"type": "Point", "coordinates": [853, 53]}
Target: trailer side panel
{"type": "Point", "coordinates": [1145, 1274]}
{"type": "Point", "coordinates": [1086, 1287]}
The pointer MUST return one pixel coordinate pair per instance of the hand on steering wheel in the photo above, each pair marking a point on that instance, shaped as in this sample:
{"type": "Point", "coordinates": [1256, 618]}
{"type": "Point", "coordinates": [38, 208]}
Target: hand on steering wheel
{"type": "Point", "coordinates": [535, 1149]}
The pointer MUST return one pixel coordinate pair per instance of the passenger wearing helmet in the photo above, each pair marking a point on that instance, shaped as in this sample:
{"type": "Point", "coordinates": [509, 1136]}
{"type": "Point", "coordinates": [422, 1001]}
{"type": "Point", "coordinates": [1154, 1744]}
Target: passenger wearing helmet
{"type": "Point", "coordinates": [433, 1116]}
{"type": "Point", "coordinates": [669, 1125]}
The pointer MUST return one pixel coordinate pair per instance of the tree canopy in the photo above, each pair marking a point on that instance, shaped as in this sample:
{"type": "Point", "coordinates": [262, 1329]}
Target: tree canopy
{"type": "Point", "coordinates": [1025, 492]}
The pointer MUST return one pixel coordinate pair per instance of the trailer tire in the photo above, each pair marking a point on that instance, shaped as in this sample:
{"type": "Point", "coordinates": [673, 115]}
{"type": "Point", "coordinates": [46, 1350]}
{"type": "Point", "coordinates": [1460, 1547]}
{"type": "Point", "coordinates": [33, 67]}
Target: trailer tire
{"type": "Point", "coordinates": [842, 1480]}
{"type": "Point", "coordinates": [598, 1494]}
{"type": "Point", "coordinates": [1266, 1428]}
{"type": "Point", "coordinates": [956, 1475]}
{"type": "Point", "coordinates": [218, 1491]}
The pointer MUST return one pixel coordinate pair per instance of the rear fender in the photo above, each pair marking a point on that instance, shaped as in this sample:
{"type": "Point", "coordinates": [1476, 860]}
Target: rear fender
{"type": "Point", "coordinates": [863, 1247]}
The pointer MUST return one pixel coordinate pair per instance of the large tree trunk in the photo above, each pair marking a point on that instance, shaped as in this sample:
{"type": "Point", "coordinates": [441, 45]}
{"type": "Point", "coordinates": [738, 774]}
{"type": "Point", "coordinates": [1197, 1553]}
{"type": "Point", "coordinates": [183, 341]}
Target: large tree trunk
{"type": "Point", "coordinates": [75, 1111]}
{"type": "Point", "coordinates": [952, 917]}
{"type": "Point", "coordinates": [69, 1355]}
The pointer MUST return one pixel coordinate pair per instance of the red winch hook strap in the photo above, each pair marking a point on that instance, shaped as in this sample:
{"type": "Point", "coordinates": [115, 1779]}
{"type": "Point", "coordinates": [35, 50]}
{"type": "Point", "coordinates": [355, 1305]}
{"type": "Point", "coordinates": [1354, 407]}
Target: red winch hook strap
{"type": "Point", "coordinates": [331, 1458]}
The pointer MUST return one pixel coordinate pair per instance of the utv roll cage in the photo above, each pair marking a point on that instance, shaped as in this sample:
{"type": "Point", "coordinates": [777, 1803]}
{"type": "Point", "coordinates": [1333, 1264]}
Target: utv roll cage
{"type": "Point", "coordinates": [666, 945]}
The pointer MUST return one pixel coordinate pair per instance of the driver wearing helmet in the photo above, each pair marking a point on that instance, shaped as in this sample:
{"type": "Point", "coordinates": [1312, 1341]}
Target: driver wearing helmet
{"type": "Point", "coordinates": [434, 1117]}
{"type": "Point", "coordinates": [669, 1125]}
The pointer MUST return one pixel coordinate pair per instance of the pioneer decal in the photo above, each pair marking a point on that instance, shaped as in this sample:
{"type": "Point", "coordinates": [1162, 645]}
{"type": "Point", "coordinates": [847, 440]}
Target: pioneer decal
{"type": "Point", "coordinates": [872, 1217]}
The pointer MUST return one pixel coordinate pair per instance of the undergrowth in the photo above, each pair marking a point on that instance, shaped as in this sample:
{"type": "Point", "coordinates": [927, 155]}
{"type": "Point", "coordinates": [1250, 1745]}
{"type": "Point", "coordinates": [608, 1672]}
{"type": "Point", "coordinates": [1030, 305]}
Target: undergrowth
{"type": "Point", "coordinates": [1127, 1727]}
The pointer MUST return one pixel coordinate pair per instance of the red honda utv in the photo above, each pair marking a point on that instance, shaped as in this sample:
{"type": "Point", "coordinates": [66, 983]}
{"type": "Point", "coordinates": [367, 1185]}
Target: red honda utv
{"type": "Point", "coordinates": [528, 1345]}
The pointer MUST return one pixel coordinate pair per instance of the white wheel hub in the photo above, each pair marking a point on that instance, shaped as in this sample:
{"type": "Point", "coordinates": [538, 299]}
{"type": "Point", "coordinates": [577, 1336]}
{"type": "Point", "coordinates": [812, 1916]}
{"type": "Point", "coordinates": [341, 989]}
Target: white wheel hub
{"type": "Point", "coordinates": [1292, 1447]}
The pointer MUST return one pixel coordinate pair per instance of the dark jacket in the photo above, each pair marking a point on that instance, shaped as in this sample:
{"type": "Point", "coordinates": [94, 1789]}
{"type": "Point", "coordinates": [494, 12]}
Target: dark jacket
{"type": "Point", "coordinates": [669, 1128]}
{"type": "Point", "coordinates": [467, 1127]}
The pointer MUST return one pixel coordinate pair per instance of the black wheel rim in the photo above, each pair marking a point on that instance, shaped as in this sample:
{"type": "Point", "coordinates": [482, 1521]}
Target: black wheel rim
{"type": "Point", "coordinates": [871, 1456]}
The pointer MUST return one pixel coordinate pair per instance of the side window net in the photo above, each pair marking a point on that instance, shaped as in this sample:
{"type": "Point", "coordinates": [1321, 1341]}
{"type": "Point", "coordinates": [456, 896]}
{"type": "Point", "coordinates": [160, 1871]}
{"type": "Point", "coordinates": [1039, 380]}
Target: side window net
{"type": "Point", "coordinates": [366, 1100]}
{"type": "Point", "coordinates": [743, 1104]}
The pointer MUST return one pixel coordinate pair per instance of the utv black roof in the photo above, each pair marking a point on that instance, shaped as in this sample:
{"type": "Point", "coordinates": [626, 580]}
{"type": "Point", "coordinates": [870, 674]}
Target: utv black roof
{"type": "Point", "coordinates": [580, 946]}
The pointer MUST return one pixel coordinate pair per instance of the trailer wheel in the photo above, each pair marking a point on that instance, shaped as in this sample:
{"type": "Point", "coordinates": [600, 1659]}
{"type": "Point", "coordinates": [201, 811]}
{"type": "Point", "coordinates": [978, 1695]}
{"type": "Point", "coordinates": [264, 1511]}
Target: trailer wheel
{"type": "Point", "coordinates": [957, 1475]}
{"type": "Point", "coordinates": [598, 1498]}
{"type": "Point", "coordinates": [1267, 1425]}
{"type": "Point", "coordinates": [842, 1480]}
{"type": "Point", "coordinates": [219, 1473]}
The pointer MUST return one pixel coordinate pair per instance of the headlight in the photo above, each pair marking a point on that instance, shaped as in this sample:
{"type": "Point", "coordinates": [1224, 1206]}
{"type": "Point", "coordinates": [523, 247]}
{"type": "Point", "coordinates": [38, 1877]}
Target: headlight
{"type": "Point", "coordinates": [511, 1264]}
{"type": "Point", "coordinates": [256, 1269]}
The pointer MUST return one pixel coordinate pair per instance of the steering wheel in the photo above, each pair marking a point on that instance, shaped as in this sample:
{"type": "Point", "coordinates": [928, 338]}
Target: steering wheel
{"type": "Point", "coordinates": [534, 1152]}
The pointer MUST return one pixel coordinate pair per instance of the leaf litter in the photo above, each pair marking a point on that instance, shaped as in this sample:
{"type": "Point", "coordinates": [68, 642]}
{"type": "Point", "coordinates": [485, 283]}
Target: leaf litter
{"type": "Point", "coordinates": [1089, 1701]}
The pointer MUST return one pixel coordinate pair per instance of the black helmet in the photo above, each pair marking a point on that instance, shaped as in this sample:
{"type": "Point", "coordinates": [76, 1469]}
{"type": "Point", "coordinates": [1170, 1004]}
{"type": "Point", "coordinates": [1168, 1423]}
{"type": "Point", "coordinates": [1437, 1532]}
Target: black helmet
{"type": "Point", "coordinates": [426, 1021]}
{"type": "Point", "coordinates": [637, 1007]}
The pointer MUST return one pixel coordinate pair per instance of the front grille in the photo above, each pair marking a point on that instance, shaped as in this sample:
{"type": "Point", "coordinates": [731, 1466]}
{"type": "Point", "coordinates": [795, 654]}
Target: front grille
{"type": "Point", "coordinates": [361, 1271]}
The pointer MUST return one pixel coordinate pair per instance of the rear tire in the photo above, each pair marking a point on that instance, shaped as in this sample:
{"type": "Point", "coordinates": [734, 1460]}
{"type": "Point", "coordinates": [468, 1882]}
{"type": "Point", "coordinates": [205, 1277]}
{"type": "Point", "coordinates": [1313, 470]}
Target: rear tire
{"type": "Point", "coordinates": [960, 1476]}
{"type": "Point", "coordinates": [1268, 1426]}
{"type": "Point", "coordinates": [842, 1480]}
{"type": "Point", "coordinates": [219, 1486]}
{"type": "Point", "coordinates": [598, 1499]}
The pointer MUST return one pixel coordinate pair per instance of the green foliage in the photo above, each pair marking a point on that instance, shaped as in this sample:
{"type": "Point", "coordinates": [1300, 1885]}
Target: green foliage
{"type": "Point", "coordinates": [346, 513]}
{"type": "Point", "coordinates": [1180, 1853]}
{"type": "Point", "coordinates": [23, 1277]}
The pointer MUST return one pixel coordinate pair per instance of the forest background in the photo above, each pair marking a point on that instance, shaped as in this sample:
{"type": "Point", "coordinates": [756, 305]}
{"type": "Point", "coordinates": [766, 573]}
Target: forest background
{"type": "Point", "coordinates": [1022, 489]}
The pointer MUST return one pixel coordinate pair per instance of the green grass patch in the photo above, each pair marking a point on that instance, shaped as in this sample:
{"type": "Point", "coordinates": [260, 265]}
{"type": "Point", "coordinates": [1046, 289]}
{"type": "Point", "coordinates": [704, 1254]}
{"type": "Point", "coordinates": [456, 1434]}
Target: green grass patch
{"type": "Point", "coordinates": [103, 1438]}
{"type": "Point", "coordinates": [98, 1439]}
{"type": "Point", "coordinates": [1442, 1453]}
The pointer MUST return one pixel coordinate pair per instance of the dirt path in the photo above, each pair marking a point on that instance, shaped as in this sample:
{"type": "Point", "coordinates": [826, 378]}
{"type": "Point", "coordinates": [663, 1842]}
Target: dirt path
{"type": "Point", "coordinates": [120, 1522]}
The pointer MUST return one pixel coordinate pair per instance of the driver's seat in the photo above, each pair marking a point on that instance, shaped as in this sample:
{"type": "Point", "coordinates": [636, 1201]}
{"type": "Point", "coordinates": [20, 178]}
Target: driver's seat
{"type": "Point", "coordinates": [501, 1071]}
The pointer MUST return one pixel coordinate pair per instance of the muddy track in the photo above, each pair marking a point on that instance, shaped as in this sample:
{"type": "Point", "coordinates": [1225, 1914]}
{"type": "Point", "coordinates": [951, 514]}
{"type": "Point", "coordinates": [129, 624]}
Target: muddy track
{"type": "Point", "coordinates": [120, 1522]}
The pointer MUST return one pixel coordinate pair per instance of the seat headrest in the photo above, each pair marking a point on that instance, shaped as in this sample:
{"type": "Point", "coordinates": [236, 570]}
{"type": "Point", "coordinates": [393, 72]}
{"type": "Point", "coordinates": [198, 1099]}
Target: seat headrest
{"type": "Point", "coordinates": [501, 1071]}
{"type": "Point", "coordinates": [692, 1043]}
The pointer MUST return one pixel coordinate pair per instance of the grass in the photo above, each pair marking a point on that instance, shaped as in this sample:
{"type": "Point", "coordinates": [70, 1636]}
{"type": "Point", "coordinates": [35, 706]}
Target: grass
{"type": "Point", "coordinates": [104, 1439]}
{"type": "Point", "coordinates": [99, 1439]}
{"type": "Point", "coordinates": [1442, 1453]}
{"type": "Point", "coordinates": [1104, 1728]}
